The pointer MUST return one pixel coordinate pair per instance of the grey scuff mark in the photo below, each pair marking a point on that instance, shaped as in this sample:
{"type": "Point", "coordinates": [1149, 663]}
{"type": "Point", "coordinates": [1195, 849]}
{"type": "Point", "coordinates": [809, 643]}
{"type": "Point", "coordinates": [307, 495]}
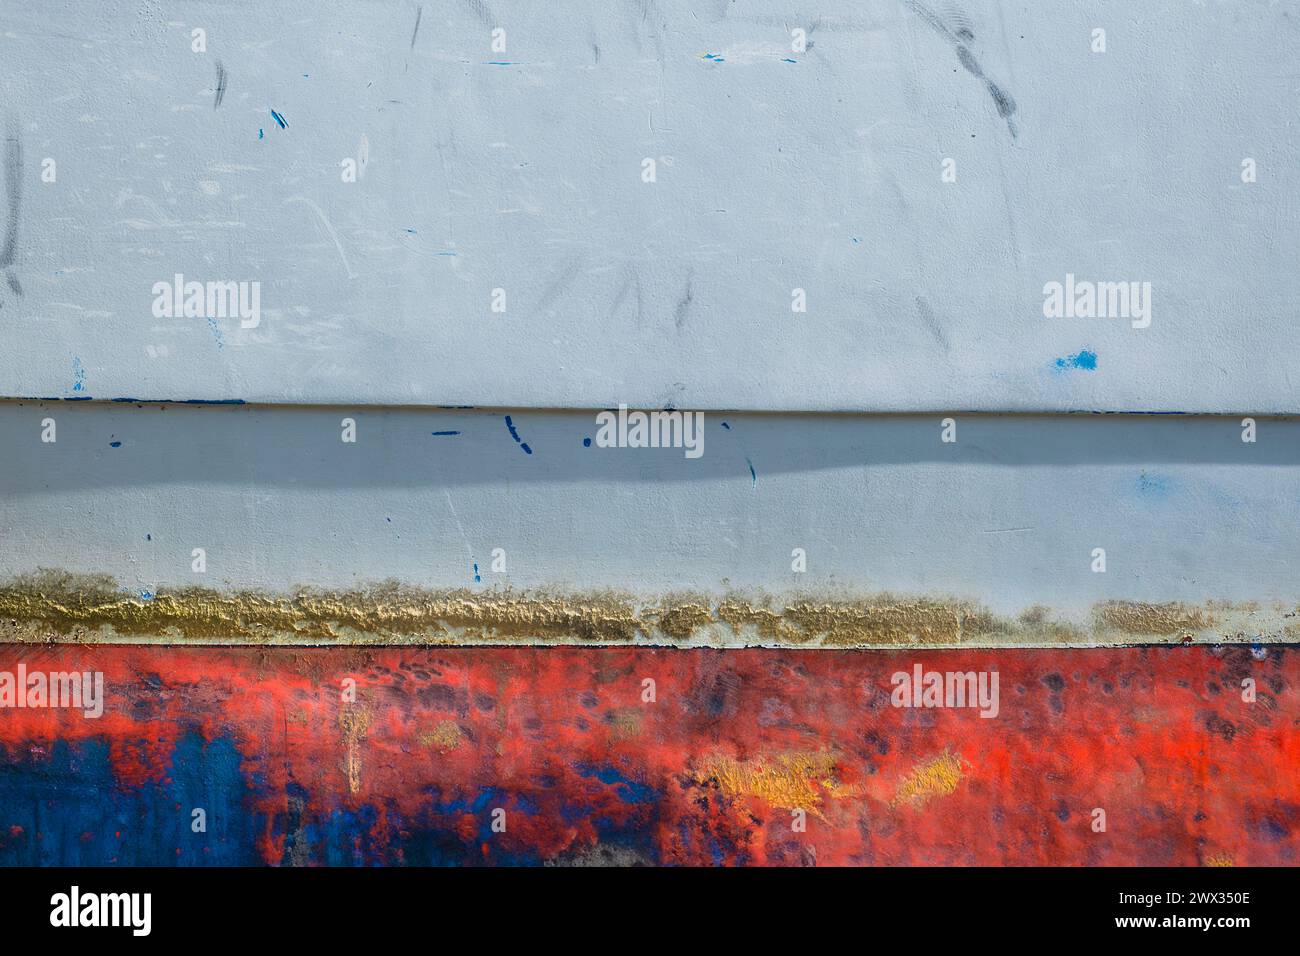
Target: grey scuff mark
{"type": "Point", "coordinates": [654, 19]}
{"type": "Point", "coordinates": [931, 321]}
{"type": "Point", "coordinates": [221, 85]}
{"type": "Point", "coordinates": [629, 275]}
{"type": "Point", "coordinates": [959, 38]}
{"type": "Point", "coordinates": [562, 282]}
{"type": "Point", "coordinates": [684, 303]}
{"type": "Point", "coordinates": [325, 224]}
{"type": "Point", "coordinates": [13, 204]}
{"type": "Point", "coordinates": [480, 10]}
{"type": "Point", "coordinates": [419, 12]}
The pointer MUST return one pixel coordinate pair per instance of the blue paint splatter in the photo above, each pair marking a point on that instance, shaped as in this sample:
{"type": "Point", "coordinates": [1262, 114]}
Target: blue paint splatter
{"type": "Point", "coordinates": [78, 375]}
{"type": "Point", "coordinates": [586, 443]}
{"type": "Point", "coordinates": [1085, 360]}
{"type": "Point", "coordinates": [753, 475]}
{"type": "Point", "coordinates": [148, 537]}
{"type": "Point", "coordinates": [442, 434]}
{"type": "Point", "coordinates": [726, 426]}
{"type": "Point", "coordinates": [713, 57]}
{"type": "Point", "coordinates": [279, 119]}
{"type": "Point", "coordinates": [216, 333]}
{"type": "Point", "coordinates": [502, 63]}
{"type": "Point", "coordinates": [515, 435]}
{"type": "Point", "coordinates": [115, 444]}
{"type": "Point", "coordinates": [146, 595]}
{"type": "Point", "coordinates": [788, 60]}
{"type": "Point", "coordinates": [477, 579]}
{"type": "Point", "coordinates": [260, 133]}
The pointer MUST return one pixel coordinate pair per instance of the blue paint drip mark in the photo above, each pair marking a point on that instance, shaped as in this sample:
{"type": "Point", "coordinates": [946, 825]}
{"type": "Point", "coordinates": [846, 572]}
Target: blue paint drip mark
{"type": "Point", "coordinates": [753, 475]}
{"type": "Point", "coordinates": [515, 435]}
{"type": "Point", "coordinates": [1085, 360]}
{"type": "Point", "coordinates": [115, 444]}
{"type": "Point", "coordinates": [442, 434]}
{"type": "Point", "coordinates": [477, 579]}
{"type": "Point", "coordinates": [279, 119]}
{"type": "Point", "coordinates": [586, 443]}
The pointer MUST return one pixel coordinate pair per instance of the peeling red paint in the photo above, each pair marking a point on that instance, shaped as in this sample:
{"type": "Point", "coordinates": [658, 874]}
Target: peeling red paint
{"type": "Point", "coordinates": [1187, 772]}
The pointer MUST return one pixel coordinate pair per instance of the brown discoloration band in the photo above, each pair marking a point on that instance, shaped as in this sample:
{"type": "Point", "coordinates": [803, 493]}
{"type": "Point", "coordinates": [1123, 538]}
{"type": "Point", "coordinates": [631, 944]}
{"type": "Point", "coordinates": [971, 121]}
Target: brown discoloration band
{"type": "Point", "coordinates": [59, 607]}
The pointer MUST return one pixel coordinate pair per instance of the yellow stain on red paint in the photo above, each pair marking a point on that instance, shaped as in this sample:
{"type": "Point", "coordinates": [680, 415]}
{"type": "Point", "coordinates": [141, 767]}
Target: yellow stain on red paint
{"type": "Point", "coordinates": [936, 777]}
{"type": "Point", "coordinates": [353, 722]}
{"type": "Point", "coordinates": [792, 781]}
{"type": "Point", "coordinates": [1219, 859]}
{"type": "Point", "coordinates": [446, 736]}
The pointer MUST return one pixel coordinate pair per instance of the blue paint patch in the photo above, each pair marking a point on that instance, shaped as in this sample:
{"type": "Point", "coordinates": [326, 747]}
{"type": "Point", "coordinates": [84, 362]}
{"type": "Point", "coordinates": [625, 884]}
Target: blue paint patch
{"type": "Point", "coordinates": [586, 443]}
{"type": "Point", "coordinates": [115, 444]}
{"type": "Point", "coordinates": [1154, 485]}
{"type": "Point", "coordinates": [713, 57]}
{"type": "Point", "coordinates": [628, 790]}
{"type": "Point", "coordinates": [726, 426]}
{"type": "Point", "coordinates": [122, 823]}
{"type": "Point", "coordinates": [515, 435]}
{"type": "Point", "coordinates": [477, 578]}
{"type": "Point", "coordinates": [146, 595]}
{"type": "Point", "coordinates": [443, 434]}
{"type": "Point", "coordinates": [261, 133]}
{"type": "Point", "coordinates": [279, 119]}
{"type": "Point", "coordinates": [1085, 360]}
{"type": "Point", "coordinates": [78, 376]}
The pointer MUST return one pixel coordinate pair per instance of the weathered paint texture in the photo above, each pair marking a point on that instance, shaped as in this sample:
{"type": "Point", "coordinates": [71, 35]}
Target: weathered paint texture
{"type": "Point", "coordinates": [777, 169]}
{"type": "Point", "coordinates": [999, 526]}
{"type": "Point", "coordinates": [49, 607]}
{"type": "Point", "coordinates": [587, 771]}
